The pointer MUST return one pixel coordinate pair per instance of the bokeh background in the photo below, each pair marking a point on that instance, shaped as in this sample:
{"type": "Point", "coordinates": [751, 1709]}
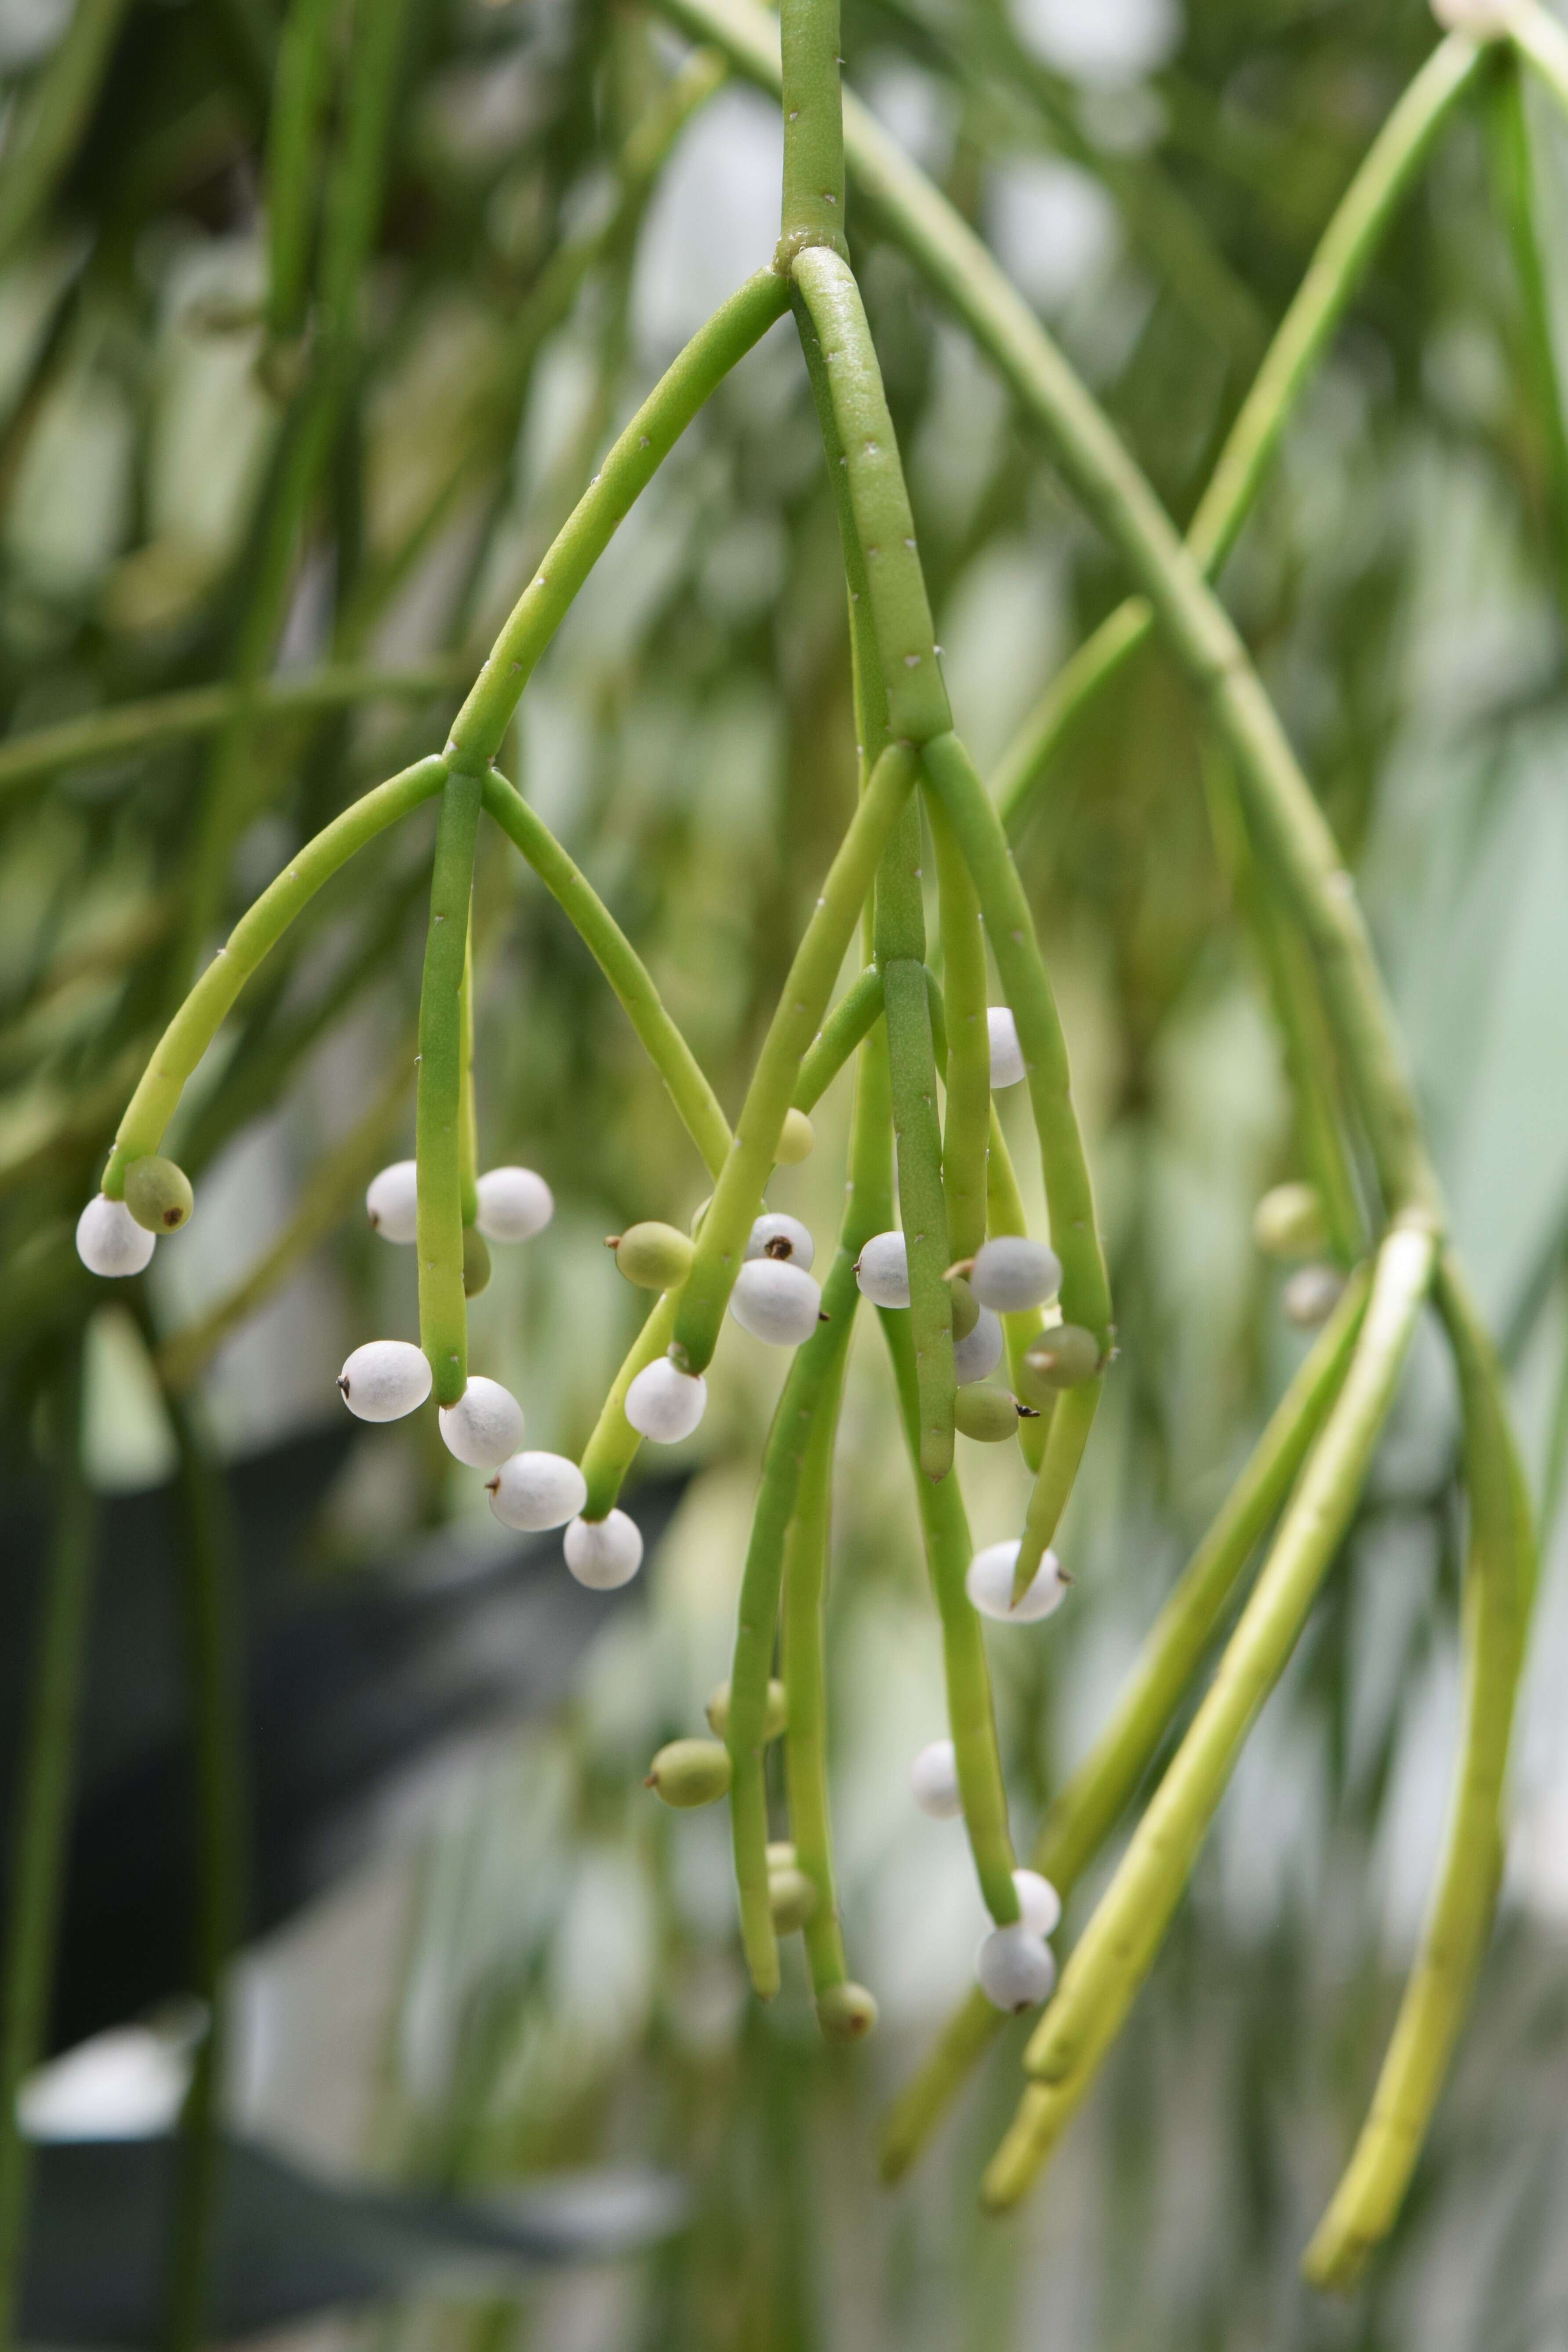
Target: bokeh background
{"type": "Point", "coordinates": [477, 1954]}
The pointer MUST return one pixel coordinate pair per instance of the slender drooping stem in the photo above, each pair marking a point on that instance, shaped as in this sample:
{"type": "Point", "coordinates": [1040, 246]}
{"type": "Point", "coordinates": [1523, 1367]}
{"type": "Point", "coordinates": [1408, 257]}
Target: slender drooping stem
{"type": "Point", "coordinates": [1118, 1947]}
{"type": "Point", "coordinates": [967, 1121]}
{"type": "Point", "coordinates": [694, 1099]}
{"type": "Point", "coordinates": [802, 1002]}
{"type": "Point", "coordinates": [850, 1020]}
{"type": "Point", "coordinates": [1092, 1802]}
{"type": "Point", "coordinates": [40, 1829]}
{"type": "Point", "coordinates": [612, 1447]}
{"type": "Point", "coordinates": [438, 1099]}
{"type": "Point", "coordinates": [259, 931]}
{"type": "Point", "coordinates": [1499, 1572]}
{"type": "Point", "coordinates": [813, 204]}
{"type": "Point", "coordinates": [1004, 1215]}
{"type": "Point", "coordinates": [806, 1693]}
{"type": "Point", "coordinates": [1514, 176]}
{"type": "Point", "coordinates": [210, 1601]}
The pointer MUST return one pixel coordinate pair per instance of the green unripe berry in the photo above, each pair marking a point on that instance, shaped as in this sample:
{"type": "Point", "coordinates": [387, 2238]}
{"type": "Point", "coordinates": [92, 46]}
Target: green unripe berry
{"type": "Point", "coordinates": [797, 1139]}
{"type": "Point", "coordinates": [846, 2012]}
{"type": "Point", "coordinates": [774, 1716]}
{"type": "Point", "coordinates": [158, 1194]}
{"type": "Point", "coordinates": [475, 1262]}
{"type": "Point", "coordinates": [791, 1899]}
{"type": "Point", "coordinates": [966, 1308]}
{"type": "Point", "coordinates": [1288, 1222]}
{"type": "Point", "coordinates": [1061, 1358]}
{"type": "Point", "coordinates": [985, 1412]}
{"type": "Point", "coordinates": [653, 1257]}
{"type": "Point", "coordinates": [689, 1772]}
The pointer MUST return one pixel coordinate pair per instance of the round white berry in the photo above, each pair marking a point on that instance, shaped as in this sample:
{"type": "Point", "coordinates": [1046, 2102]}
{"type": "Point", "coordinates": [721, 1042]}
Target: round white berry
{"type": "Point", "coordinates": [773, 1231]}
{"type": "Point", "coordinates": [109, 1241]}
{"type": "Point", "coordinates": [934, 1777]}
{"type": "Point", "coordinates": [385, 1378]}
{"type": "Point", "coordinates": [1311, 1295]}
{"type": "Point", "coordinates": [776, 1302]}
{"type": "Point", "coordinates": [604, 1553]}
{"type": "Point", "coordinates": [1039, 1905]}
{"type": "Point", "coordinates": [1007, 1054]}
{"type": "Point", "coordinates": [882, 1270]}
{"type": "Point", "coordinates": [514, 1205]}
{"type": "Point", "coordinates": [665, 1404]}
{"type": "Point", "coordinates": [534, 1491]}
{"type": "Point", "coordinates": [1013, 1273]}
{"type": "Point", "coordinates": [392, 1203]}
{"type": "Point", "coordinates": [975, 1358]}
{"type": "Point", "coordinates": [1015, 1968]}
{"type": "Point", "coordinates": [483, 1426]}
{"type": "Point", "coordinates": [990, 1585]}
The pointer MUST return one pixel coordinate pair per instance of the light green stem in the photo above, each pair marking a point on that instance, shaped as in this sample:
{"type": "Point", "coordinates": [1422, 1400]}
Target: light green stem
{"type": "Point", "coordinates": [1004, 1215]}
{"type": "Point", "coordinates": [806, 1693]}
{"type": "Point", "coordinates": [802, 1002]}
{"type": "Point", "coordinates": [259, 931]}
{"type": "Point", "coordinates": [438, 1112]}
{"type": "Point", "coordinates": [813, 206]}
{"type": "Point", "coordinates": [1089, 1807]}
{"type": "Point", "coordinates": [967, 1124]}
{"type": "Point", "coordinates": [850, 1020]}
{"type": "Point", "coordinates": [481, 725]}
{"type": "Point", "coordinates": [1540, 39]}
{"type": "Point", "coordinates": [613, 1448]}
{"type": "Point", "coordinates": [694, 1099]}
{"type": "Point", "coordinates": [40, 1831]}
{"type": "Point", "coordinates": [468, 1108]}
{"type": "Point", "coordinates": [48, 122]}
{"type": "Point", "coordinates": [1119, 1945]}
{"type": "Point", "coordinates": [1518, 196]}
{"type": "Point", "coordinates": [1499, 1571]}
{"type": "Point", "coordinates": [296, 146]}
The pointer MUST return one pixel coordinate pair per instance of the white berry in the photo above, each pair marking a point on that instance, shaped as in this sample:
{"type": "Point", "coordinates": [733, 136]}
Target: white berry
{"type": "Point", "coordinates": [604, 1553]}
{"type": "Point", "coordinates": [777, 1229]}
{"type": "Point", "coordinates": [1015, 1968]}
{"type": "Point", "coordinates": [392, 1203]}
{"type": "Point", "coordinates": [975, 1357]}
{"type": "Point", "coordinates": [1039, 1905]}
{"type": "Point", "coordinates": [934, 1777]}
{"type": "Point", "coordinates": [990, 1585]}
{"type": "Point", "coordinates": [534, 1491]}
{"type": "Point", "coordinates": [882, 1270]}
{"type": "Point", "coordinates": [385, 1378]}
{"type": "Point", "coordinates": [1013, 1273]}
{"type": "Point", "coordinates": [109, 1239]}
{"type": "Point", "coordinates": [483, 1426]}
{"type": "Point", "coordinates": [1007, 1054]}
{"type": "Point", "coordinates": [514, 1205]}
{"type": "Point", "coordinates": [776, 1302]}
{"type": "Point", "coordinates": [665, 1404]}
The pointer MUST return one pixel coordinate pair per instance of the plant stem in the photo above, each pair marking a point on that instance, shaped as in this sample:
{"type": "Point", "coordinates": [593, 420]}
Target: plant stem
{"type": "Point", "coordinates": [612, 1447]}
{"type": "Point", "coordinates": [467, 1106]}
{"type": "Point", "coordinates": [1513, 175]}
{"type": "Point", "coordinates": [967, 1123]}
{"type": "Point", "coordinates": [813, 205]}
{"type": "Point", "coordinates": [40, 1832]}
{"type": "Point", "coordinates": [1499, 1572]}
{"type": "Point", "coordinates": [1118, 1947]}
{"type": "Point", "coordinates": [50, 121]}
{"type": "Point", "coordinates": [1084, 1815]}
{"type": "Point", "coordinates": [850, 1020]}
{"type": "Point", "coordinates": [296, 146]}
{"type": "Point", "coordinates": [948, 1551]}
{"type": "Point", "coordinates": [199, 1018]}
{"type": "Point", "coordinates": [1004, 1215]}
{"type": "Point", "coordinates": [481, 725]}
{"type": "Point", "coordinates": [438, 1114]}
{"type": "Point", "coordinates": [805, 1693]}
{"type": "Point", "coordinates": [694, 1100]}
{"type": "Point", "coordinates": [129, 726]}
{"type": "Point", "coordinates": [802, 1002]}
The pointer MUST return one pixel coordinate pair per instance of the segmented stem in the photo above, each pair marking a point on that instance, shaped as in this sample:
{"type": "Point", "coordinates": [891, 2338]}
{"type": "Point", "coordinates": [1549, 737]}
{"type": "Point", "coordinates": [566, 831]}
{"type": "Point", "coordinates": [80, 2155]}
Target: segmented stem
{"type": "Point", "coordinates": [813, 207]}
{"type": "Point", "coordinates": [468, 1111]}
{"type": "Point", "coordinates": [967, 1124]}
{"type": "Point", "coordinates": [438, 1102]}
{"type": "Point", "coordinates": [806, 1690]}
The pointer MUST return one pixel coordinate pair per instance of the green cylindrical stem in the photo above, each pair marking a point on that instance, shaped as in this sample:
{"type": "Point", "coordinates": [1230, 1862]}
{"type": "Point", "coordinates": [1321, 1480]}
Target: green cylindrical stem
{"type": "Point", "coordinates": [805, 1685]}
{"type": "Point", "coordinates": [1118, 1947]}
{"type": "Point", "coordinates": [1500, 1574]}
{"type": "Point", "coordinates": [738, 1193]}
{"type": "Point", "coordinates": [965, 1132]}
{"type": "Point", "coordinates": [922, 1204]}
{"type": "Point", "coordinates": [694, 1099]}
{"type": "Point", "coordinates": [808, 1390]}
{"type": "Point", "coordinates": [613, 1448]}
{"type": "Point", "coordinates": [1004, 1215]}
{"type": "Point", "coordinates": [481, 725]}
{"type": "Point", "coordinates": [948, 1551]}
{"type": "Point", "coordinates": [813, 210]}
{"type": "Point", "coordinates": [1515, 178]}
{"type": "Point", "coordinates": [468, 1119]}
{"type": "Point", "coordinates": [850, 1021]}
{"type": "Point", "coordinates": [1087, 1810]}
{"type": "Point", "coordinates": [1070, 1422]}
{"type": "Point", "coordinates": [49, 124]}
{"type": "Point", "coordinates": [296, 145]}
{"type": "Point", "coordinates": [1010, 926]}
{"type": "Point", "coordinates": [438, 1113]}
{"type": "Point", "coordinates": [901, 614]}
{"type": "Point", "coordinates": [197, 1021]}
{"type": "Point", "coordinates": [1539, 37]}
{"type": "Point", "coordinates": [40, 1829]}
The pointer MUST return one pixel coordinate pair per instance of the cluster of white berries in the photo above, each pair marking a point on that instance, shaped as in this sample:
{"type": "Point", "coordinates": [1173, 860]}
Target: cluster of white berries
{"type": "Point", "coordinates": [1014, 1964]}
{"type": "Point", "coordinates": [1007, 1275]}
{"type": "Point", "coordinates": [774, 1297]}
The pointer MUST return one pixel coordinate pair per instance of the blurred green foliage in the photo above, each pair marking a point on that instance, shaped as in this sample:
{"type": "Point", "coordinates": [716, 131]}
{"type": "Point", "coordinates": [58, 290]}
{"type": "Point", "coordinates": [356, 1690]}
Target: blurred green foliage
{"type": "Point", "coordinates": [196, 491]}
